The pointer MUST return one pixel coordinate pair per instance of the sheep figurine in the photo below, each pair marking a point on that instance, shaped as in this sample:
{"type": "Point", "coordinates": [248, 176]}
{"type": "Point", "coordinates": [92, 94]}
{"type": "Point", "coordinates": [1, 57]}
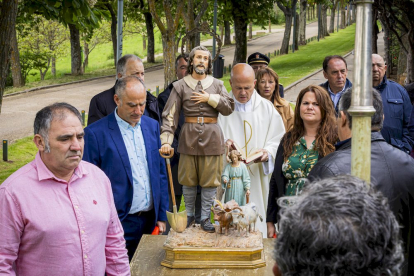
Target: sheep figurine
{"type": "Point", "coordinates": [247, 217]}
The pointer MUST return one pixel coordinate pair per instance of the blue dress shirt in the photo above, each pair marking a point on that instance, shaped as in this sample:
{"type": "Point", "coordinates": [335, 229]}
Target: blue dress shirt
{"type": "Point", "coordinates": [135, 146]}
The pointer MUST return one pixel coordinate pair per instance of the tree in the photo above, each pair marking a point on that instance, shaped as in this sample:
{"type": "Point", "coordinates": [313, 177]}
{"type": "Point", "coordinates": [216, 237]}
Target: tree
{"type": "Point", "coordinates": [16, 69]}
{"type": "Point", "coordinates": [397, 18]}
{"type": "Point", "coordinates": [244, 11]}
{"type": "Point", "coordinates": [168, 35]}
{"type": "Point", "coordinates": [302, 22]}
{"type": "Point", "coordinates": [288, 8]}
{"type": "Point", "coordinates": [333, 5]}
{"type": "Point", "coordinates": [92, 39]}
{"type": "Point", "coordinates": [110, 5]}
{"type": "Point", "coordinates": [193, 20]}
{"type": "Point", "coordinates": [8, 14]}
{"type": "Point", "coordinates": [77, 15]}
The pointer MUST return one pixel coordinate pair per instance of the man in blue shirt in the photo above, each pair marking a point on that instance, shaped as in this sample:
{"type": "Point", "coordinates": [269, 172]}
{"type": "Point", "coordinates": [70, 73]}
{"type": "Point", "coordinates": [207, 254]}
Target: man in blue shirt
{"type": "Point", "coordinates": [335, 70]}
{"type": "Point", "coordinates": [125, 146]}
{"type": "Point", "coordinates": [397, 107]}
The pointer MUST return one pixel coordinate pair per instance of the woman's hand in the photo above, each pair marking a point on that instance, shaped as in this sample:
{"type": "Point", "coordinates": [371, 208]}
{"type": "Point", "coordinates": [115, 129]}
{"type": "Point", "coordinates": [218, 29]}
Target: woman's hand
{"type": "Point", "coordinates": [271, 229]}
{"type": "Point", "coordinates": [248, 192]}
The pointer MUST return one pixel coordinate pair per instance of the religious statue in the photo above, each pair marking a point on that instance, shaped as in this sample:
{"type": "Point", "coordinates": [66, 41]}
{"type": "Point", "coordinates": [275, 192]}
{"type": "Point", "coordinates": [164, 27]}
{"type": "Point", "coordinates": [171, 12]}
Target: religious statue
{"type": "Point", "coordinates": [236, 179]}
{"type": "Point", "coordinates": [201, 98]}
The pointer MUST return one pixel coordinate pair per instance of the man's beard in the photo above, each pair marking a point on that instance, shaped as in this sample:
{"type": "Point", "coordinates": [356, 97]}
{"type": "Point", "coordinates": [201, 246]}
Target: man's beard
{"type": "Point", "coordinates": [200, 71]}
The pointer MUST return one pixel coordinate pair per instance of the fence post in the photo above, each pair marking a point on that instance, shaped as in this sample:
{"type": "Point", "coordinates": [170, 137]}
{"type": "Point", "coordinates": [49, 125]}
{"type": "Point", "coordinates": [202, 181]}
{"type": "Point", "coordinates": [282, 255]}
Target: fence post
{"type": "Point", "coordinates": [229, 68]}
{"type": "Point", "coordinates": [5, 150]}
{"type": "Point", "coordinates": [157, 91]}
{"type": "Point", "coordinates": [225, 69]}
{"type": "Point", "coordinates": [83, 117]}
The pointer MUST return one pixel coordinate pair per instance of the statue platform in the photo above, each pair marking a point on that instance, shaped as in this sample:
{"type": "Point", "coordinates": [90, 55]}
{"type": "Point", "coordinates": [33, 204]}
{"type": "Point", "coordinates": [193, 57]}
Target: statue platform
{"type": "Point", "coordinates": [150, 253]}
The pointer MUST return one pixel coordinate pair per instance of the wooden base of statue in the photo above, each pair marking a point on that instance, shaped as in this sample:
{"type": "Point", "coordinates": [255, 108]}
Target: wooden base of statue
{"type": "Point", "coordinates": [195, 248]}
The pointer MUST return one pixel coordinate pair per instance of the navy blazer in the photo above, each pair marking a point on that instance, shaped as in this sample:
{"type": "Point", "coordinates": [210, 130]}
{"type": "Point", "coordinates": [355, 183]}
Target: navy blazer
{"type": "Point", "coordinates": [104, 147]}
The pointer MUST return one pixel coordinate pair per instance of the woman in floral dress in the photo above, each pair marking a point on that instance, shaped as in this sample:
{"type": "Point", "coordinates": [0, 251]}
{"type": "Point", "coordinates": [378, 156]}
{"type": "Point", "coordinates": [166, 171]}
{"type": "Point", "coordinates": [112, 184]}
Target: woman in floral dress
{"type": "Point", "coordinates": [313, 136]}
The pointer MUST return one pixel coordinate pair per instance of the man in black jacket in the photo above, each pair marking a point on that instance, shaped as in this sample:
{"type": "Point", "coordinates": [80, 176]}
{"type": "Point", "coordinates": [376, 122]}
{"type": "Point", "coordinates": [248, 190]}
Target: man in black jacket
{"type": "Point", "coordinates": [392, 171]}
{"type": "Point", "coordinates": [103, 104]}
{"type": "Point", "coordinates": [335, 70]}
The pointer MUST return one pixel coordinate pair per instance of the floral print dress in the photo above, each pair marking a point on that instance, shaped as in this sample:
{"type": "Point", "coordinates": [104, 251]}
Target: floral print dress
{"type": "Point", "coordinates": [297, 167]}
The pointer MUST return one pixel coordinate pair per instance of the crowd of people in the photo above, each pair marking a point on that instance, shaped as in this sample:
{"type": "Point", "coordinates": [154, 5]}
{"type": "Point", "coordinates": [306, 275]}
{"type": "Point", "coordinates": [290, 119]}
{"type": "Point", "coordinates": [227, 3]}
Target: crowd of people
{"type": "Point", "coordinates": [61, 214]}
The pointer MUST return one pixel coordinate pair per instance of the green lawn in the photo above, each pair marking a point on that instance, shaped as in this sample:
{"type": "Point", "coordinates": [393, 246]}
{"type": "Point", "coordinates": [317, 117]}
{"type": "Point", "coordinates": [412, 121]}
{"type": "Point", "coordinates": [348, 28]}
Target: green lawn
{"type": "Point", "coordinates": [20, 153]}
{"type": "Point", "coordinates": [308, 59]}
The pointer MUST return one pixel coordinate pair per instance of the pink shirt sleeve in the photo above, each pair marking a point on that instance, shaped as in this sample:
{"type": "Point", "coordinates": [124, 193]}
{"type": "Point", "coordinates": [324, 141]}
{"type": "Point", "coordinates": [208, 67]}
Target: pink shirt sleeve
{"type": "Point", "coordinates": [11, 228]}
{"type": "Point", "coordinates": [117, 262]}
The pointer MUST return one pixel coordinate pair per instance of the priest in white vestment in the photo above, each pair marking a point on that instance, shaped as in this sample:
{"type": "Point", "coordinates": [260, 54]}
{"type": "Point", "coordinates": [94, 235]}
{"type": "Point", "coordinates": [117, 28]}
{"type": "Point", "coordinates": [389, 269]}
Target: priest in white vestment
{"type": "Point", "coordinates": [255, 125]}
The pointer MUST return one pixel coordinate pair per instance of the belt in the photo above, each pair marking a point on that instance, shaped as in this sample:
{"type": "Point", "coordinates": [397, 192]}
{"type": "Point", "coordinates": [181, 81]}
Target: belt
{"type": "Point", "coordinates": [201, 120]}
{"type": "Point", "coordinates": [141, 213]}
{"type": "Point", "coordinates": [238, 177]}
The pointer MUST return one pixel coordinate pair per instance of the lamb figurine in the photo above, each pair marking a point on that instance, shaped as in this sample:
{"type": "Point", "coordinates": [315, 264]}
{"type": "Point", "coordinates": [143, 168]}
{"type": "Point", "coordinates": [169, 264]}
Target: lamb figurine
{"type": "Point", "coordinates": [246, 217]}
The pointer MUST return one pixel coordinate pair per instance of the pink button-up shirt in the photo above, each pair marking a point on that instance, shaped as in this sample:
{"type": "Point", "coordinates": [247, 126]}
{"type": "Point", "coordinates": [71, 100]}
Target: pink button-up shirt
{"type": "Point", "coordinates": [52, 227]}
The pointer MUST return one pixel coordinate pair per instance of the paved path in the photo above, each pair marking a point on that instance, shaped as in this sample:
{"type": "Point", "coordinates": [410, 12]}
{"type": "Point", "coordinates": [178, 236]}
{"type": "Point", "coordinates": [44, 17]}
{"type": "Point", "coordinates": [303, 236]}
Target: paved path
{"type": "Point", "coordinates": [317, 77]}
{"type": "Point", "coordinates": [18, 112]}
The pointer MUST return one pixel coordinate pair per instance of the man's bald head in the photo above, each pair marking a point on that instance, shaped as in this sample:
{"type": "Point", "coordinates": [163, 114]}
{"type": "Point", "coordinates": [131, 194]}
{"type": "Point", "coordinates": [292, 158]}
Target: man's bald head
{"type": "Point", "coordinates": [242, 82]}
{"type": "Point", "coordinates": [378, 69]}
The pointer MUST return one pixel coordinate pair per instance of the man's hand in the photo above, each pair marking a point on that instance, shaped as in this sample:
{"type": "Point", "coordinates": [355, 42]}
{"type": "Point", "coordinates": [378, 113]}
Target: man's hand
{"type": "Point", "coordinates": [166, 149]}
{"type": "Point", "coordinates": [248, 192]}
{"type": "Point", "coordinates": [265, 156]}
{"type": "Point", "coordinates": [200, 97]}
{"type": "Point", "coordinates": [162, 226]}
{"type": "Point", "coordinates": [271, 229]}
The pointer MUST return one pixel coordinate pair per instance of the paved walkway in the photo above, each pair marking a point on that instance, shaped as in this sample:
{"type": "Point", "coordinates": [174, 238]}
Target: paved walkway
{"type": "Point", "coordinates": [317, 77]}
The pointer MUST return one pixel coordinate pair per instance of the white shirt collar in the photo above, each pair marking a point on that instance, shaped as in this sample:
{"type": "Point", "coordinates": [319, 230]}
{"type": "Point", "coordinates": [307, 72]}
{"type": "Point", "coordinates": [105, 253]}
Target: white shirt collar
{"type": "Point", "coordinates": [192, 82]}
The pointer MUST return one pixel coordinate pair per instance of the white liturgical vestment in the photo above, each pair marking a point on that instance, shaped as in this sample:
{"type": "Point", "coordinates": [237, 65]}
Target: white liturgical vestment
{"type": "Point", "coordinates": [256, 125]}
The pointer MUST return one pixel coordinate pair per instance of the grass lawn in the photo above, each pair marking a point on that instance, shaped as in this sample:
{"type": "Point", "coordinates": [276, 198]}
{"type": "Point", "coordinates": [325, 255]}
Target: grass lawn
{"type": "Point", "coordinates": [20, 153]}
{"type": "Point", "coordinates": [308, 59]}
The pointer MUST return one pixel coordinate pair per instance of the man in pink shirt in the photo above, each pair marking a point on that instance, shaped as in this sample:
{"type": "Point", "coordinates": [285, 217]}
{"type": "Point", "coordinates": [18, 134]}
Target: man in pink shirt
{"type": "Point", "coordinates": [57, 213]}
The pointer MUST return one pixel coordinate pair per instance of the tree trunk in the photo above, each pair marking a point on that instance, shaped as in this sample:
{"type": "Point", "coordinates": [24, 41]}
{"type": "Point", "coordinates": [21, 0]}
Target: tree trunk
{"type": "Point", "coordinates": [270, 26]}
{"type": "Point", "coordinates": [348, 15]}
{"type": "Point", "coordinates": [250, 30]}
{"type": "Point", "coordinates": [332, 19]}
{"type": "Point", "coordinates": [343, 17]}
{"type": "Point", "coordinates": [302, 22]}
{"type": "Point", "coordinates": [16, 69]}
{"type": "Point", "coordinates": [221, 32]}
{"type": "Point", "coordinates": [168, 43]}
{"type": "Point", "coordinates": [227, 33]}
{"type": "Point", "coordinates": [150, 35]}
{"type": "Point", "coordinates": [113, 29]}
{"type": "Point", "coordinates": [375, 31]}
{"type": "Point", "coordinates": [144, 42]}
{"type": "Point", "coordinates": [284, 49]}
{"type": "Point", "coordinates": [8, 15]}
{"type": "Point", "coordinates": [75, 50]}
{"type": "Point", "coordinates": [410, 63]}
{"type": "Point", "coordinates": [296, 33]}
{"type": "Point", "coordinates": [54, 66]}
{"type": "Point", "coordinates": [387, 46]}
{"type": "Point", "coordinates": [240, 26]}
{"type": "Point", "coordinates": [320, 24]}
{"type": "Point", "coordinates": [86, 55]}
{"type": "Point", "coordinates": [324, 20]}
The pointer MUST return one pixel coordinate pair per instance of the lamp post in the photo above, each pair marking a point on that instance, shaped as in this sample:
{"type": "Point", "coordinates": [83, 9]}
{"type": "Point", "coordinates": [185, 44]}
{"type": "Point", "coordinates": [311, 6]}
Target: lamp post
{"type": "Point", "coordinates": [214, 28]}
{"type": "Point", "coordinates": [361, 108]}
{"type": "Point", "coordinates": [119, 40]}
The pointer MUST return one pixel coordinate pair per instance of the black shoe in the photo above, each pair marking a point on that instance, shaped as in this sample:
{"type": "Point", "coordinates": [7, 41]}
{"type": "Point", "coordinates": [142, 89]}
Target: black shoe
{"type": "Point", "coordinates": [207, 226]}
{"type": "Point", "coordinates": [190, 221]}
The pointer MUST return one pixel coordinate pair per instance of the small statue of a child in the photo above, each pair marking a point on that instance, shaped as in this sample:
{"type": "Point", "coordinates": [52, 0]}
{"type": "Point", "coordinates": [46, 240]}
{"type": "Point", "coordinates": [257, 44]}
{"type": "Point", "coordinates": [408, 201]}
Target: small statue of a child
{"type": "Point", "coordinates": [236, 179]}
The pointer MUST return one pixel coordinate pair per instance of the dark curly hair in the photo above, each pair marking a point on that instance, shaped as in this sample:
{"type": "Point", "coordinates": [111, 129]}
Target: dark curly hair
{"type": "Point", "coordinates": [190, 68]}
{"type": "Point", "coordinates": [338, 226]}
{"type": "Point", "coordinates": [327, 134]}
